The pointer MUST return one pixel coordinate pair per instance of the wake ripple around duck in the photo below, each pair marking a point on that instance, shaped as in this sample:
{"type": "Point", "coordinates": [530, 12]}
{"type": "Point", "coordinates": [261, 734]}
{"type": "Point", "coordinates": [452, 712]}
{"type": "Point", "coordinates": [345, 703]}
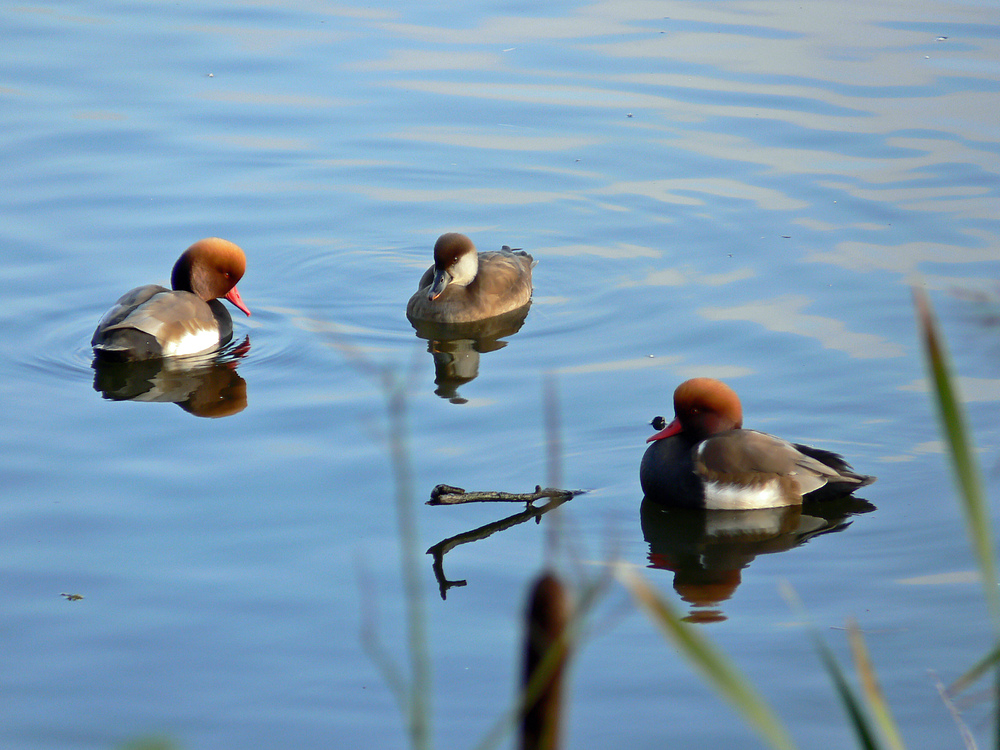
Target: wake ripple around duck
{"type": "Point", "coordinates": [61, 351]}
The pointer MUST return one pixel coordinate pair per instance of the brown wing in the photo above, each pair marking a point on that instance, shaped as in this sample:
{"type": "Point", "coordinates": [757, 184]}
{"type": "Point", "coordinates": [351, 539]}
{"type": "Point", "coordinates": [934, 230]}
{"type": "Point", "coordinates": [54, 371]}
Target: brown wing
{"type": "Point", "coordinates": [753, 457]}
{"type": "Point", "coordinates": [126, 305]}
{"type": "Point", "coordinates": [170, 315]}
{"type": "Point", "coordinates": [503, 280]}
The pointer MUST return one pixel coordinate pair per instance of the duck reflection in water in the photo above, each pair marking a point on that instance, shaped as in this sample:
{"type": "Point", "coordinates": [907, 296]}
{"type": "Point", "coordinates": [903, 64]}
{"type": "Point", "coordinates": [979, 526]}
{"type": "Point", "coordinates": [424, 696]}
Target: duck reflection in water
{"type": "Point", "coordinates": [206, 386]}
{"type": "Point", "coordinates": [456, 347]}
{"type": "Point", "coordinates": [707, 550]}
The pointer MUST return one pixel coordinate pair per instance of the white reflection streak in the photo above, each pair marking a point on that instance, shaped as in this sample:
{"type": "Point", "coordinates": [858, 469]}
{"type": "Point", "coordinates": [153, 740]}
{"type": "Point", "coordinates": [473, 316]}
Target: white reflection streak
{"type": "Point", "coordinates": [672, 362]}
{"type": "Point", "coordinates": [943, 579]}
{"type": "Point", "coordinates": [271, 41]}
{"type": "Point", "coordinates": [688, 275]}
{"type": "Point", "coordinates": [409, 61]}
{"type": "Point", "coordinates": [665, 192]}
{"type": "Point", "coordinates": [783, 315]}
{"type": "Point", "coordinates": [621, 364]}
{"type": "Point", "coordinates": [494, 140]}
{"type": "Point", "coordinates": [469, 196]}
{"type": "Point", "coordinates": [904, 259]}
{"type": "Point", "coordinates": [618, 250]}
{"type": "Point", "coordinates": [970, 390]}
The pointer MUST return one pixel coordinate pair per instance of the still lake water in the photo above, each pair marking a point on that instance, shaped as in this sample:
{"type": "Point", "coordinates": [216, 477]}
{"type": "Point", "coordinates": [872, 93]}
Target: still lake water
{"type": "Point", "coordinates": [745, 190]}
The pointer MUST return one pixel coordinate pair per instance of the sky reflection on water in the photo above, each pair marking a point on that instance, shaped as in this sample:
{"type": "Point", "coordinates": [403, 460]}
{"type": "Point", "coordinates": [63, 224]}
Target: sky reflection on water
{"type": "Point", "coordinates": [744, 190]}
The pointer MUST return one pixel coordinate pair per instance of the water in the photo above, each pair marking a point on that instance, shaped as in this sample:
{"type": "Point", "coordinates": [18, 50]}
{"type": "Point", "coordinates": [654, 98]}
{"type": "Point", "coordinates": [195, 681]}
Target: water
{"type": "Point", "coordinates": [741, 190]}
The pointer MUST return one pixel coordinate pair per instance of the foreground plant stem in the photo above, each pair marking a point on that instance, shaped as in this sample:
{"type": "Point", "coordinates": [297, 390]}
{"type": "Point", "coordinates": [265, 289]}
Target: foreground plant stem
{"type": "Point", "coordinates": [420, 670]}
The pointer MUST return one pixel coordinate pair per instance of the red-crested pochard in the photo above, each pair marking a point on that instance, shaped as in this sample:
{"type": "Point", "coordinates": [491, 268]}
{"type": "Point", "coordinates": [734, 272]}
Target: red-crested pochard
{"type": "Point", "coordinates": [465, 285]}
{"type": "Point", "coordinates": [152, 321]}
{"type": "Point", "coordinates": [704, 458]}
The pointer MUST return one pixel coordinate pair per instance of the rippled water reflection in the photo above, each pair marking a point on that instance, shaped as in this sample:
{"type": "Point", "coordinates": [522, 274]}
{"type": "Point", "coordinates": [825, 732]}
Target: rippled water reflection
{"type": "Point", "coordinates": [745, 190]}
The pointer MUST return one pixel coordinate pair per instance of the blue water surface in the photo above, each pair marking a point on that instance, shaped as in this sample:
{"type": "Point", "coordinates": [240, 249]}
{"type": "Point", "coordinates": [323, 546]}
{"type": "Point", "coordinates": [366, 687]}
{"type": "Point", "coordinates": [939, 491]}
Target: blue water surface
{"type": "Point", "coordinates": [741, 190]}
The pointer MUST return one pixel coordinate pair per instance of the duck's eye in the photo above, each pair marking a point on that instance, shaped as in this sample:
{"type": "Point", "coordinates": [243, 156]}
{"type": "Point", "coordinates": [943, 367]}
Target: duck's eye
{"type": "Point", "coordinates": [658, 423]}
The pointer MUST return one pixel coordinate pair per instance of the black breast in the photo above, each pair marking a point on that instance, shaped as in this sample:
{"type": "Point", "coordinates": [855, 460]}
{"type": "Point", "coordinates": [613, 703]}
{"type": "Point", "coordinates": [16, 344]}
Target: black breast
{"type": "Point", "coordinates": [667, 473]}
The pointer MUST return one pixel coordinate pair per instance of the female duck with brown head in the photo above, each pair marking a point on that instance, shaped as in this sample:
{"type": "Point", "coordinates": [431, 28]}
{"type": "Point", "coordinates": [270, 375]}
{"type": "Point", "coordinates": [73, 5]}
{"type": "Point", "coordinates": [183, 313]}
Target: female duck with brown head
{"type": "Point", "coordinates": [152, 321]}
{"type": "Point", "coordinates": [464, 285]}
{"type": "Point", "coordinates": [704, 458]}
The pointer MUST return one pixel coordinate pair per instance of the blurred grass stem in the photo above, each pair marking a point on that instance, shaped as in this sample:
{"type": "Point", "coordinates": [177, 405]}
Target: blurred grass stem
{"type": "Point", "coordinates": [419, 710]}
{"type": "Point", "coordinates": [969, 479]}
{"type": "Point", "coordinates": [962, 453]}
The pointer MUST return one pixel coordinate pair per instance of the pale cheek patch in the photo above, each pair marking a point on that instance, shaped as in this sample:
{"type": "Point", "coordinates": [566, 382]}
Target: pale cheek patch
{"type": "Point", "coordinates": [722, 496]}
{"type": "Point", "coordinates": [192, 342]}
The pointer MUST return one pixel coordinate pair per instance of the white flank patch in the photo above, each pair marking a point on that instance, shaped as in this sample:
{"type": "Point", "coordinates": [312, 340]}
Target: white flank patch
{"type": "Point", "coordinates": [721, 496]}
{"type": "Point", "coordinates": [192, 342]}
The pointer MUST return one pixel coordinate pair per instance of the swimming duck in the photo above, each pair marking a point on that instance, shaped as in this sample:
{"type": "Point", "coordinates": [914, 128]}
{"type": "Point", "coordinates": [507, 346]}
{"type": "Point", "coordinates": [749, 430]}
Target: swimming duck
{"type": "Point", "coordinates": [152, 321]}
{"type": "Point", "coordinates": [464, 285]}
{"type": "Point", "coordinates": [704, 458]}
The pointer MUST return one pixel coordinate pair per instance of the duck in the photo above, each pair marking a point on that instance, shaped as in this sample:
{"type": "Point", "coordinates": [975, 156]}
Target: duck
{"type": "Point", "coordinates": [465, 285]}
{"type": "Point", "coordinates": [705, 459]}
{"type": "Point", "coordinates": [152, 322]}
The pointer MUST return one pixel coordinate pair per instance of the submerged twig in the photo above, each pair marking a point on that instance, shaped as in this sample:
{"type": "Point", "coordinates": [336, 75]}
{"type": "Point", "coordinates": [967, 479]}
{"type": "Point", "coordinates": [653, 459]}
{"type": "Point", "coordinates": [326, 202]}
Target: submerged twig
{"type": "Point", "coordinates": [445, 494]}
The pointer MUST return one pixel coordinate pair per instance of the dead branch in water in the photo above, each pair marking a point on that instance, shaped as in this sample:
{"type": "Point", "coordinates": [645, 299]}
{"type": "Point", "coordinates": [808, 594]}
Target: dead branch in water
{"type": "Point", "coordinates": [445, 494]}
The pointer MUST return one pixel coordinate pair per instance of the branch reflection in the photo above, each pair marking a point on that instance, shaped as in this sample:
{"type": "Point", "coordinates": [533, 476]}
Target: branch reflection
{"type": "Point", "coordinates": [439, 550]}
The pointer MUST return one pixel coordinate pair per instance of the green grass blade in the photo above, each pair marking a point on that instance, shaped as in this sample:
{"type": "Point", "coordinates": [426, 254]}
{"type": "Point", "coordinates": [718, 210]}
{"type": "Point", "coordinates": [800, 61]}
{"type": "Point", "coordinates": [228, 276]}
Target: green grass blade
{"type": "Point", "coordinates": [720, 673]}
{"type": "Point", "coordinates": [871, 688]}
{"type": "Point", "coordinates": [860, 722]}
{"type": "Point", "coordinates": [867, 738]}
{"type": "Point", "coordinates": [963, 455]}
{"type": "Point", "coordinates": [976, 671]}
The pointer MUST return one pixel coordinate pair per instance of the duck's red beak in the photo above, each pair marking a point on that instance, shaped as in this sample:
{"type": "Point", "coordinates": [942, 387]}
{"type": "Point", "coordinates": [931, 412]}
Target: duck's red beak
{"type": "Point", "coordinates": [236, 299]}
{"type": "Point", "coordinates": [671, 429]}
